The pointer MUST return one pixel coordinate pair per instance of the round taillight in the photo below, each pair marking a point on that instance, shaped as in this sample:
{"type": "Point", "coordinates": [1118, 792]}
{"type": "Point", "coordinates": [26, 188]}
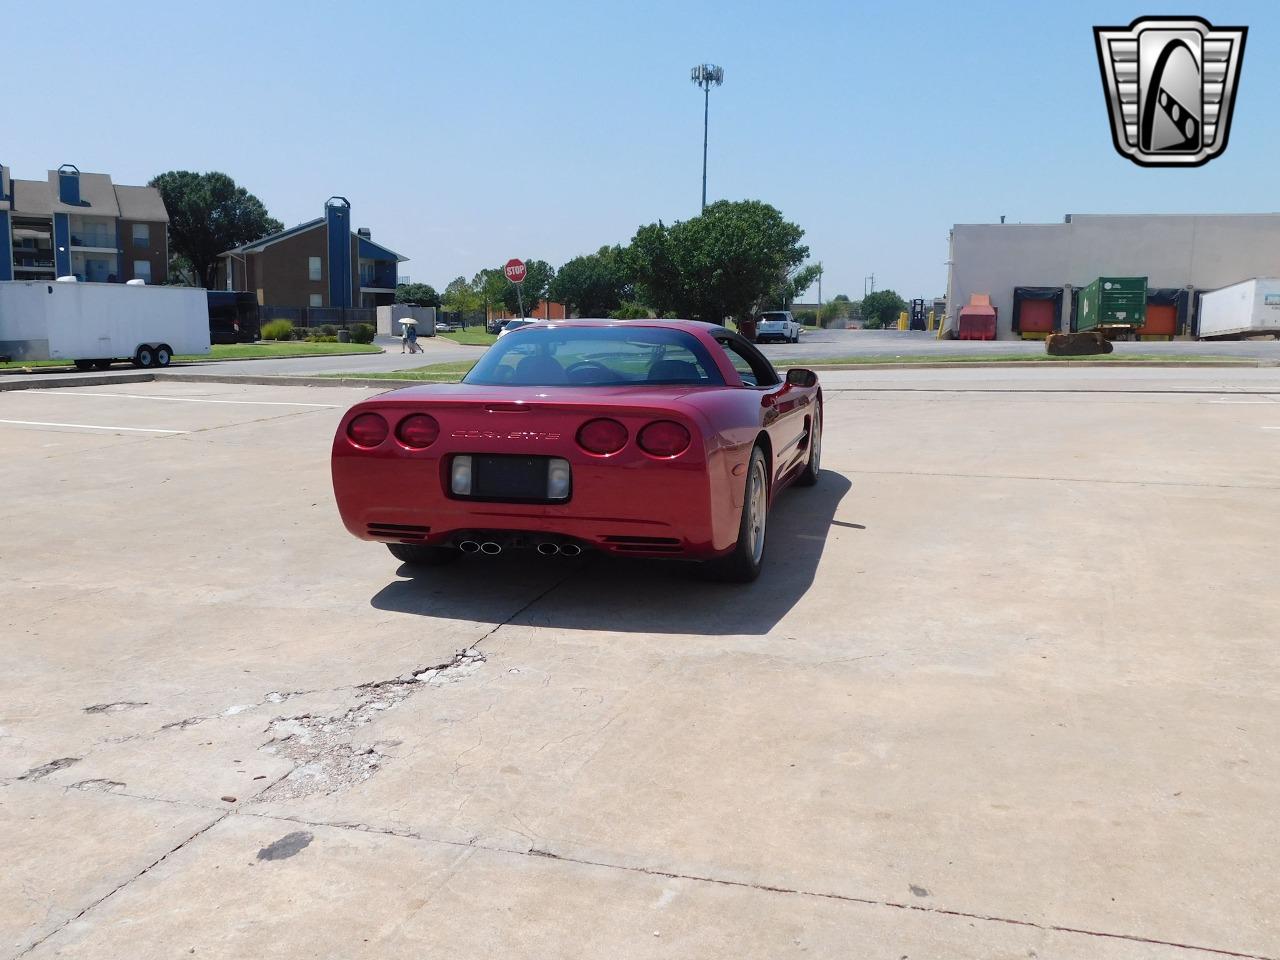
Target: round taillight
{"type": "Point", "coordinates": [664, 438]}
{"type": "Point", "coordinates": [602, 436]}
{"type": "Point", "coordinates": [418, 430]}
{"type": "Point", "coordinates": [367, 430]}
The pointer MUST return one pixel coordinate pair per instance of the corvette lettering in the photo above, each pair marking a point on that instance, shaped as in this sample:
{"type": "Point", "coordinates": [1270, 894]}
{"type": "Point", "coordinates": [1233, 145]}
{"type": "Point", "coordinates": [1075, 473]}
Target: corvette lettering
{"type": "Point", "coordinates": [500, 435]}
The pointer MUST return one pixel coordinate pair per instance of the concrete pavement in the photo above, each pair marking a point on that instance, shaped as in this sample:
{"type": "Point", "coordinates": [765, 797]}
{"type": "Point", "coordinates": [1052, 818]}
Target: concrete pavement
{"type": "Point", "coordinates": [887, 343]}
{"type": "Point", "coordinates": [1006, 689]}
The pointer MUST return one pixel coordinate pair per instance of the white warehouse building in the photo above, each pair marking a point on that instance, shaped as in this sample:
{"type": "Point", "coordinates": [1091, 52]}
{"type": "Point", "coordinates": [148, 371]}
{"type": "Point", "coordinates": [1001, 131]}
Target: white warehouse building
{"type": "Point", "coordinates": [1033, 271]}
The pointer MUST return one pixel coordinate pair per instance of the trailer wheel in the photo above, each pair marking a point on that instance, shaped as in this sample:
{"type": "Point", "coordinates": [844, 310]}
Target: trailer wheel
{"type": "Point", "coordinates": [83, 365]}
{"type": "Point", "coordinates": [145, 357]}
{"type": "Point", "coordinates": [164, 353]}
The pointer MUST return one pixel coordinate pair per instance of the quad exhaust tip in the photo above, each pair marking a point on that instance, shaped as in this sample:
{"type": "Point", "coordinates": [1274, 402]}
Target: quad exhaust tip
{"type": "Point", "coordinates": [489, 548]}
{"type": "Point", "coordinates": [469, 546]}
{"type": "Point", "coordinates": [548, 549]}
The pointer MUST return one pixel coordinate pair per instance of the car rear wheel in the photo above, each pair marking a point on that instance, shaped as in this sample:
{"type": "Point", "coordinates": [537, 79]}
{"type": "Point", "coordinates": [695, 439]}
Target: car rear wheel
{"type": "Point", "coordinates": [809, 475]}
{"type": "Point", "coordinates": [423, 555]}
{"type": "Point", "coordinates": [743, 565]}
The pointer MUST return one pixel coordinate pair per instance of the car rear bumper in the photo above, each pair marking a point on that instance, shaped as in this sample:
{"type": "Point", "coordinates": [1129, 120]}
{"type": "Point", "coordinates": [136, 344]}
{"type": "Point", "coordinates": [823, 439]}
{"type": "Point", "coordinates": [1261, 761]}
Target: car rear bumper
{"type": "Point", "coordinates": [655, 511]}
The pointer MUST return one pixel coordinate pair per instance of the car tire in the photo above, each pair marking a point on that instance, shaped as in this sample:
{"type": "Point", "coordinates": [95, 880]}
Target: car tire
{"type": "Point", "coordinates": [744, 563]}
{"type": "Point", "coordinates": [83, 365]}
{"type": "Point", "coordinates": [423, 555]}
{"type": "Point", "coordinates": [145, 357]}
{"type": "Point", "coordinates": [163, 354]}
{"type": "Point", "coordinates": [809, 475]}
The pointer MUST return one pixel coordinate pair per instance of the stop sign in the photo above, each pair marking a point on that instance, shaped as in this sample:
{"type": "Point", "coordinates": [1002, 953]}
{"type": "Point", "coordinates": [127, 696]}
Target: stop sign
{"type": "Point", "coordinates": [514, 270]}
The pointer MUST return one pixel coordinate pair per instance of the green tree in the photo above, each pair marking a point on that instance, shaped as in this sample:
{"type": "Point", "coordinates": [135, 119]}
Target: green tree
{"type": "Point", "coordinates": [459, 297]}
{"type": "Point", "coordinates": [537, 278]}
{"type": "Point", "coordinates": [881, 308]}
{"type": "Point", "coordinates": [724, 263]}
{"type": "Point", "coordinates": [208, 215]}
{"type": "Point", "coordinates": [792, 285]}
{"type": "Point", "coordinates": [595, 284]}
{"type": "Point", "coordinates": [489, 286]}
{"type": "Point", "coordinates": [423, 294]}
{"type": "Point", "coordinates": [650, 264]}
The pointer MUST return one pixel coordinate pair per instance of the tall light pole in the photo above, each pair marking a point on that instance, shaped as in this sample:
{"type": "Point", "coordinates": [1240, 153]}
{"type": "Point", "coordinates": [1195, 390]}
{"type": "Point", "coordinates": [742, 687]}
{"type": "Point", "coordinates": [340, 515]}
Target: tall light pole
{"type": "Point", "coordinates": [706, 76]}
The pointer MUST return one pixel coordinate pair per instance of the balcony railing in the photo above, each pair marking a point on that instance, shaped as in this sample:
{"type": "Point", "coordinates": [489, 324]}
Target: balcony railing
{"type": "Point", "coordinates": [384, 280]}
{"type": "Point", "coordinates": [95, 239]}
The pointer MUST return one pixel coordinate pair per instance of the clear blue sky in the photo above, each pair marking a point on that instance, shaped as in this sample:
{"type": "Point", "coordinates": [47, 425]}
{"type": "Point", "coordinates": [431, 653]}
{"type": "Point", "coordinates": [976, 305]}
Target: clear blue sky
{"type": "Point", "coordinates": [467, 133]}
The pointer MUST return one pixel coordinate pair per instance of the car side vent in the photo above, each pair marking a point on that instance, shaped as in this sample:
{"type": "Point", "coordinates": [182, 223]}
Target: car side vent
{"type": "Point", "coordinates": [406, 532]}
{"type": "Point", "coordinates": [645, 544]}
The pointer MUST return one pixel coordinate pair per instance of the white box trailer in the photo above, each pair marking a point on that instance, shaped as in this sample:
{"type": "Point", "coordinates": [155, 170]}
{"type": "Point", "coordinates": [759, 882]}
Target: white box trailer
{"type": "Point", "coordinates": [91, 324]}
{"type": "Point", "coordinates": [1249, 308]}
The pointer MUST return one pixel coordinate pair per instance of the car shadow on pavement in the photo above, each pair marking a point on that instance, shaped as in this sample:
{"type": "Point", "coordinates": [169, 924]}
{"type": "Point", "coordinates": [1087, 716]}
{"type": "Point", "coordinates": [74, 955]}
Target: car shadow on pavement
{"type": "Point", "coordinates": [595, 592]}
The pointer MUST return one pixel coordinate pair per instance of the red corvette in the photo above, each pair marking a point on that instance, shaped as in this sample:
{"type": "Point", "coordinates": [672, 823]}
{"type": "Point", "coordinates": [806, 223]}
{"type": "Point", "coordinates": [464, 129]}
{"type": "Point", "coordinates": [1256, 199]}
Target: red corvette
{"type": "Point", "coordinates": [659, 438]}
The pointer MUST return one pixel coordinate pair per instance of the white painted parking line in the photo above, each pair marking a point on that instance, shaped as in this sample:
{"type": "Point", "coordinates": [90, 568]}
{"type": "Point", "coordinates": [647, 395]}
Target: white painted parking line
{"type": "Point", "coordinates": [141, 396]}
{"type": "Point", "coordinates": [90, 426]}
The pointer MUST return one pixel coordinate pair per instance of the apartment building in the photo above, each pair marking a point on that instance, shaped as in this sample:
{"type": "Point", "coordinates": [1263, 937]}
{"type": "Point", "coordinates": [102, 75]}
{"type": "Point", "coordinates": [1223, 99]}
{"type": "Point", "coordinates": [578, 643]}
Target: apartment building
{"type": "Point", "coordinates": [320, 263]}
{"type": "Point", "coordinates": [82, 225]}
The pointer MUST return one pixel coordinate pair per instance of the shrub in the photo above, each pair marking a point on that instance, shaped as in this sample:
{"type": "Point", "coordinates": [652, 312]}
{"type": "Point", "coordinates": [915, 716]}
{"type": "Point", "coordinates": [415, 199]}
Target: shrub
{"type": "Point", "coordinates": [322, 338]}
{"type": "Point", "coordinates": [362, 333]}
{"type": "Point", "coordinates": [277, 330]}
{"type": "Point", "coordinates": [630, 310]}
{"type": "Point", "coordinates": [328, 330]}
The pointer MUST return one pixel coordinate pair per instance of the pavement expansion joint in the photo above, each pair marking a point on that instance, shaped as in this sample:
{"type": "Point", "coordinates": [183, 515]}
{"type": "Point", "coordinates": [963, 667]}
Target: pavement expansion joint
{"type": "Point", "coordinates": [116, 889]}
{"type": "Point", "coordinates": [544, 854]}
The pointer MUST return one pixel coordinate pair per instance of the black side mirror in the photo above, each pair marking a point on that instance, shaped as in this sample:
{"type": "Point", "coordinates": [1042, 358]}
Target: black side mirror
{"type": "Point", "coordinates": [802, 377]}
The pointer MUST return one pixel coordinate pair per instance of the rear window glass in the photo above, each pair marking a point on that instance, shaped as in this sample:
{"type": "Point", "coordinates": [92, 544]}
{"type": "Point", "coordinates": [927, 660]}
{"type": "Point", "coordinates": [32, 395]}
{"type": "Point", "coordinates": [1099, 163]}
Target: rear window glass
{"type": "Point", "coordinates": [595, 356]}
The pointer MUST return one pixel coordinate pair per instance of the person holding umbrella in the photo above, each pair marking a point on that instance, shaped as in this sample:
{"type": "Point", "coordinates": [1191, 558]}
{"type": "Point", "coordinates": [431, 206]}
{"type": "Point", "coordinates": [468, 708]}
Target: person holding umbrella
{"type": "Point", "coordinates": [409, 335]}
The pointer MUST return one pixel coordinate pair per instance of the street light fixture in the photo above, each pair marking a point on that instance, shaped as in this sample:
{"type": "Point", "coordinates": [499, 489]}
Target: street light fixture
{"type": "Point", "coordinates": [706, 76]}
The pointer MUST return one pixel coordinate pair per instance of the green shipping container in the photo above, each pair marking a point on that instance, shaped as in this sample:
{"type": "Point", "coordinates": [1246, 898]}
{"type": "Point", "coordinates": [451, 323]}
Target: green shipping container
{"type": "Point", "coordinates": [1113, 302]}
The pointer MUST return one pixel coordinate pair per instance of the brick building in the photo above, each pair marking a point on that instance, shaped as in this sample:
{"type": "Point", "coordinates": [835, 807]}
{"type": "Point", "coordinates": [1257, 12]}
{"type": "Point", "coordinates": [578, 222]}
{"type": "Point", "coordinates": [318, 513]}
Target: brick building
{"type": "Point", "coordinates": [82, 225]}
{"type": "Point", "coordinates": [320, 263]}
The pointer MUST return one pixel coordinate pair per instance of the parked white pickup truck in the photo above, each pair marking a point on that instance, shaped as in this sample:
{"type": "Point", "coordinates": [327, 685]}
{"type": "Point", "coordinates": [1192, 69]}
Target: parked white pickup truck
{"type": "Point", "coordinates": [777, 326]}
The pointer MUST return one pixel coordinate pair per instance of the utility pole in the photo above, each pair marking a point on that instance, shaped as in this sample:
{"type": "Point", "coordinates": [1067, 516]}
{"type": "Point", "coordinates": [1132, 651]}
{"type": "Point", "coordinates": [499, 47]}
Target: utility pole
{"type": "Point", "coordinates": [706, 76]}
{"type": "Point", "coordinates": [872, 280]}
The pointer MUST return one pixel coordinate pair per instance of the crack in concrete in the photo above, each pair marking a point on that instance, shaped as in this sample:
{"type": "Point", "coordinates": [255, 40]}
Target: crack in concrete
{"type": "Point", "coordinates": [53, 766]}
{"type": "Point", "coordinates": [543, 854]}
{"type": "Point", "coordinates": [321, 748]}
{"type": "Point", "coordinates": [115, 707]}
{"type": "Point", "coordinates": [116, 889]}
{"type": "Point", "coordinates": [325, 758]}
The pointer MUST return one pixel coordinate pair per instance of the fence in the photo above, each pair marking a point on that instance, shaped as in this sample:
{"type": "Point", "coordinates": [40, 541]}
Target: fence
{"type": "Point", "coordinates": [320, 316]}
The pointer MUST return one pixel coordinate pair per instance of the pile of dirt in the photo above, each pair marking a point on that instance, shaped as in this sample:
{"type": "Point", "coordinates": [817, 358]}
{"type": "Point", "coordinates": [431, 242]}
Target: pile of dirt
{"type": "Point", "coordinates": [1076, 344]}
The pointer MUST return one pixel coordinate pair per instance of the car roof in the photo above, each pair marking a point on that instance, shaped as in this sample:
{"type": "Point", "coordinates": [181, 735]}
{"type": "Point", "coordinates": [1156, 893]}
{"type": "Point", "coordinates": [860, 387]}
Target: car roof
{"type": "Point", "coordinates": [609, 322]}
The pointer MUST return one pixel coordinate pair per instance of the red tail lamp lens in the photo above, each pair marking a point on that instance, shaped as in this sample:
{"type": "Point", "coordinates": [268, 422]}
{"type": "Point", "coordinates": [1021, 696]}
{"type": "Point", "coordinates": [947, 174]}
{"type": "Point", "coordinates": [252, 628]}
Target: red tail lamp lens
{"type": "Point", "coordinates": [418, 430]}
{"type": "Point", "coordinates": [664, 438]}
{"type": "Point", "coordinates": [367, 430]}
{"type": "Point", "coordinates": [602, 436]}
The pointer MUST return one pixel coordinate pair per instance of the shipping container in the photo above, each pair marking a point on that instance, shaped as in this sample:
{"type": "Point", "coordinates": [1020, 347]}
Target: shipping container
{"type": "Point", "coordinates": [92, 324]}
{"type": "Point", "coordinates": [1249, 308]}
{"type": "Point", "coordinates": [1113, 303]}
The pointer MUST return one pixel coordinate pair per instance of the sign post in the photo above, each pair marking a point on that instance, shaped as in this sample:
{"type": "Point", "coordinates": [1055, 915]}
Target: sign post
{"type": "Point", "coordinates": [515, 271]}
